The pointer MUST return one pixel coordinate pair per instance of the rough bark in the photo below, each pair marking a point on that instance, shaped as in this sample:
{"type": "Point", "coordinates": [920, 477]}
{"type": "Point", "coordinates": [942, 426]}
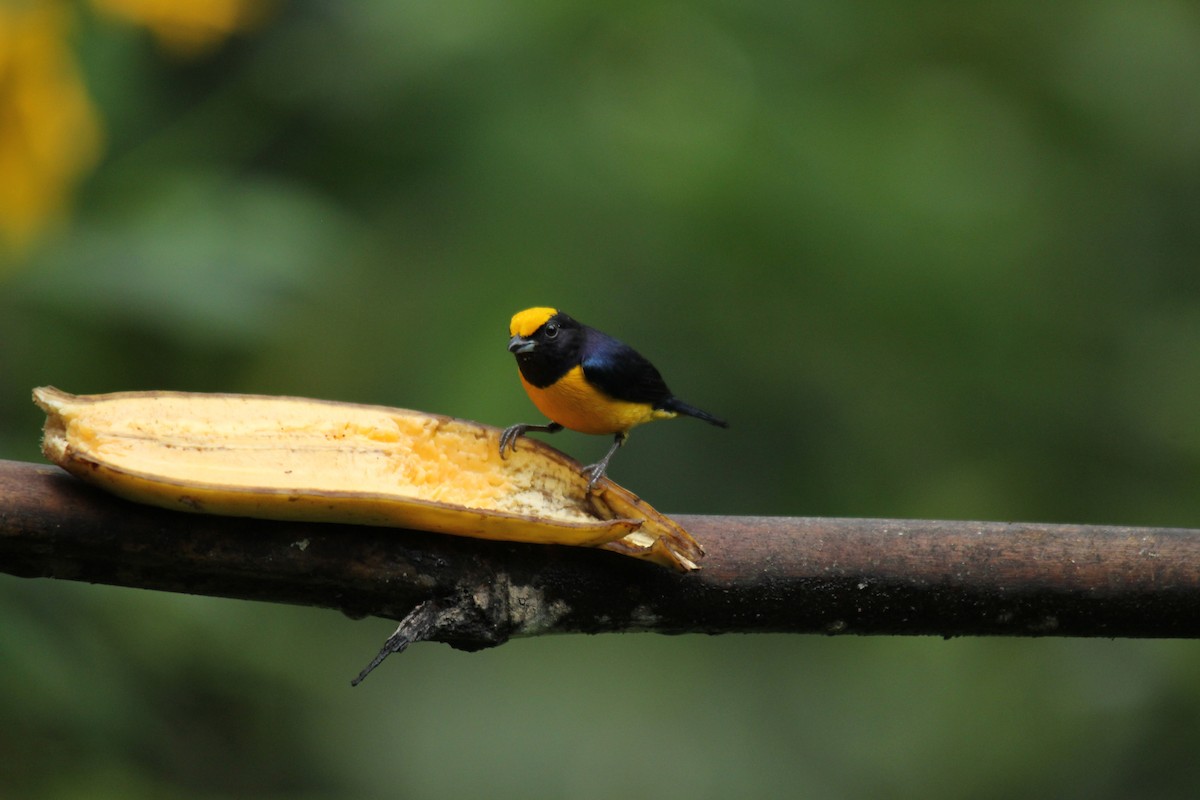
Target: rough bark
{"type": "Point", "coordinates": [791, 574]}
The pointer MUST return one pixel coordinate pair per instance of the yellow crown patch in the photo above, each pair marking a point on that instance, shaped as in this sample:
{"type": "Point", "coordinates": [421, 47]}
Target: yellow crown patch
{"type": "Point", "coordinates": [524, 323]}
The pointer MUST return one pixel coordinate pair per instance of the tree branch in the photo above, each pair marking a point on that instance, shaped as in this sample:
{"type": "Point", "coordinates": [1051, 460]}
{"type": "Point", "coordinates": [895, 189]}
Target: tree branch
{"type": "Point", "coordinates": [800, 575]}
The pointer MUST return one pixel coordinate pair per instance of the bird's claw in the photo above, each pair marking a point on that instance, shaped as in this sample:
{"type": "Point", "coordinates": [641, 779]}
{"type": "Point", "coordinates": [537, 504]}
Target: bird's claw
{"type": "Point", "coordinates": [593, 472]}
{"type": "Point", "coordinates": [508, 439]}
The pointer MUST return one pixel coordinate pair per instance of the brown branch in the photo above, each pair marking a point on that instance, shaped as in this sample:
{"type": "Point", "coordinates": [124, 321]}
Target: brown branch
{"type": "Point", "coordinates": [761, 574]}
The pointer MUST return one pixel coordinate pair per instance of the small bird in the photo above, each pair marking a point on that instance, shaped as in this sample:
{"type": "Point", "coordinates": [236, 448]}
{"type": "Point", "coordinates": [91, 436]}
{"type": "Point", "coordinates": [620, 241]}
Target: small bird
{"type": "Point", "coordinates": [587, 381]}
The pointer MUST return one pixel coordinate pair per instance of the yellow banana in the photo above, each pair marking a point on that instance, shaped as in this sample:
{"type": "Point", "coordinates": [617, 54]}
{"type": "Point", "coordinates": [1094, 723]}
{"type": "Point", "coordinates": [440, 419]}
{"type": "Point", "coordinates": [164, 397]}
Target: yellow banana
{"type": "Point", "coordinates": [297, 459]}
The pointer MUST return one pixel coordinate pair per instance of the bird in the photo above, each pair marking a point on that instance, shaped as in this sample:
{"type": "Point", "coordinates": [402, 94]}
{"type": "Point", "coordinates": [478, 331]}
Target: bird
{"type": "Point", "coordinates": [585, 380]}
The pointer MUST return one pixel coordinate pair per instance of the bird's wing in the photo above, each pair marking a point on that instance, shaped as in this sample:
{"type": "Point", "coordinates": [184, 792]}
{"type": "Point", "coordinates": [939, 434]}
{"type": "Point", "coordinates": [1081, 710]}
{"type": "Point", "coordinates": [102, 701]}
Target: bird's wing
{"type": "Point", "coordinates": [621, 372]}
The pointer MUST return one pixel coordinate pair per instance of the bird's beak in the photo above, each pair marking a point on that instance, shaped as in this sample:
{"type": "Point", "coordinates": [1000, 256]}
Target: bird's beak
{"type": "Point", "coordinates": [519, 344]}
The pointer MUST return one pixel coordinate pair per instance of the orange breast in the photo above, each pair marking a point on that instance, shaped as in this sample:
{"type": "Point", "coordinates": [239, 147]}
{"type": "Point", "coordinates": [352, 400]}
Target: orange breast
{"type": "Point", "coordinates": [573, 403]}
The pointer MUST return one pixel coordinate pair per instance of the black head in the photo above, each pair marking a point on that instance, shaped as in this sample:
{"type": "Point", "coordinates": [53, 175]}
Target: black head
{"type": "Point", "coordinates": [547, 344]}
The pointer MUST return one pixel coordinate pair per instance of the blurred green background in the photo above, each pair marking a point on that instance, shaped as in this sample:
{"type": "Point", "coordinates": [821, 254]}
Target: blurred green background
{"type": "Point", "coordinates": [932, 260]}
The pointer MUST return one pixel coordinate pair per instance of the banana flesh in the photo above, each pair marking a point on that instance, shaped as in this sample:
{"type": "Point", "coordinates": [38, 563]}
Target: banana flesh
{"type": "Point", "coordinates": [297, 459]}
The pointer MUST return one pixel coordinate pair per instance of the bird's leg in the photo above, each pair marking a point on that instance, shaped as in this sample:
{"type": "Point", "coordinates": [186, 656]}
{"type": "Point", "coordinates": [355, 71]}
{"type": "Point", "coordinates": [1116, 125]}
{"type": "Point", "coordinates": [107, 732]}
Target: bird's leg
{"type": "Point", "coordinates": [595, 472]}
{"type": "Point", "coordinates": [508, 439]}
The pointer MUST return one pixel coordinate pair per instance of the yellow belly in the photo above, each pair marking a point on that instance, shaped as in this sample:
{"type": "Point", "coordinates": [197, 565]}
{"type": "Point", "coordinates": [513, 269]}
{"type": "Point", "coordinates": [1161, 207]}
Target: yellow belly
{"type": "Point", "coordinates": [574, 404]}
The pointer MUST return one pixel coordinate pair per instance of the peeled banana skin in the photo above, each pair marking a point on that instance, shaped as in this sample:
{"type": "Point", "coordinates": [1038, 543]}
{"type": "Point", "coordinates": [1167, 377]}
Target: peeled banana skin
{"type": "Point", "coordinates": [316, 460]}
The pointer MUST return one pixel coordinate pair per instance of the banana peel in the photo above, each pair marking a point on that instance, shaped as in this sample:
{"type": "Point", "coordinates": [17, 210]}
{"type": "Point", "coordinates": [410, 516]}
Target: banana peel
{"type": "Point", "coordinates": [292, 458]}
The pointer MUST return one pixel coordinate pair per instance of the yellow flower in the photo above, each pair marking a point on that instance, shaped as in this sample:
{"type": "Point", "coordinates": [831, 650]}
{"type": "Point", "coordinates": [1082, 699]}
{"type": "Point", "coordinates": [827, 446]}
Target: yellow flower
{"type": "Point", "coordinates": [49, 132]}
{"type": "Point", "coordinates": [190, 27]}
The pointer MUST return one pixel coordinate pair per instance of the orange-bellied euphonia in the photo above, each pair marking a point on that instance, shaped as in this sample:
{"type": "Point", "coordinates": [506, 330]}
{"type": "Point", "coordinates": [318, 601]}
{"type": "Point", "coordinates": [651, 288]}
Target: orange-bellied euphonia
{"type": "Point", "coordinates": [587, 381]}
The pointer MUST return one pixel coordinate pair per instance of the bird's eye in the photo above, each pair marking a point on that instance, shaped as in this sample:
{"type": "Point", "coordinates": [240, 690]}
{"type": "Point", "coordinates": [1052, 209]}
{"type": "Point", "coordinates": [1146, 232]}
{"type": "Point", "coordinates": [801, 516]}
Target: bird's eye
{"type": "Point", "coordinates": [551, 330]}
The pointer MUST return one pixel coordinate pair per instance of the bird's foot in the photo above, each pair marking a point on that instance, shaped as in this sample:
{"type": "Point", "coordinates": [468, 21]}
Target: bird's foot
{"type": "Point", "coordinates": [508, 439]}
{"type": "Point", "coordinates": [593, 472]}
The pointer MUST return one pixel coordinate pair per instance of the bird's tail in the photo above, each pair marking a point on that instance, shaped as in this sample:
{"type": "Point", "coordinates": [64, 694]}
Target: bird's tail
{"type": "Point", "coordinates": [680, 407]}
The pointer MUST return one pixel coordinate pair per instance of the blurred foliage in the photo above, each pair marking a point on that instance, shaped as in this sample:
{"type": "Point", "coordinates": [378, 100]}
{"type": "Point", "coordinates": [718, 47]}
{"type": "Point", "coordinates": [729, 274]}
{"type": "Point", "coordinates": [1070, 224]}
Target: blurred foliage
{"type": "Point", "coordinates": [48, 128]}
{"type": "Point", "coordinates": [932, 260]}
